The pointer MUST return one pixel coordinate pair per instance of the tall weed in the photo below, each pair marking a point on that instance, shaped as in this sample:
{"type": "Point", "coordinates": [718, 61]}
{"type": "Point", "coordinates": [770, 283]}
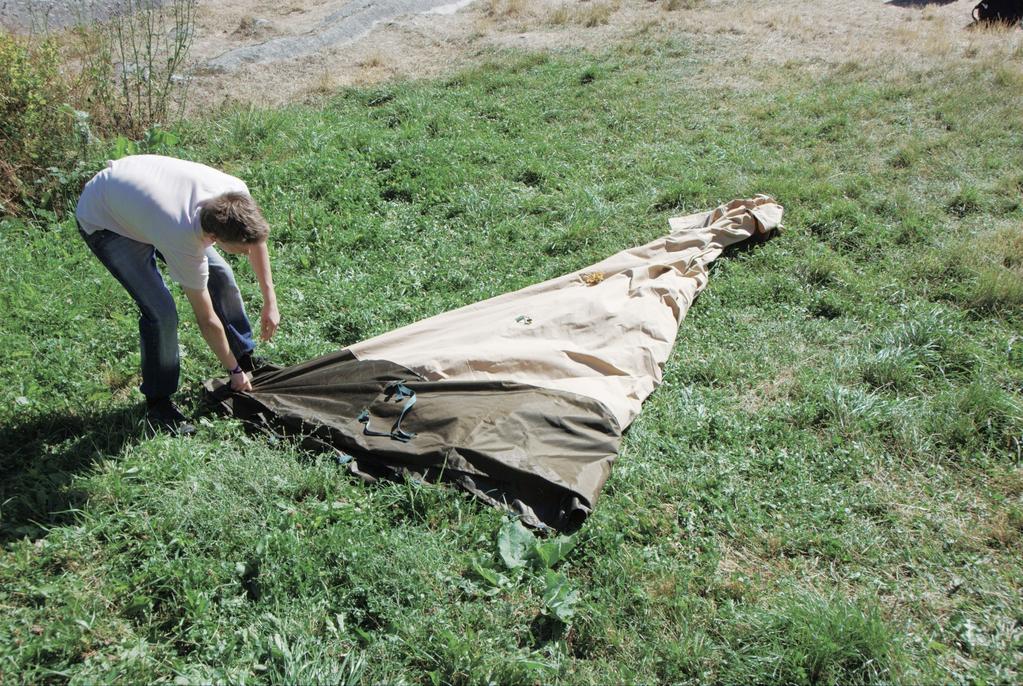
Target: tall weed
{"type": "Point", "coordinates": [130, 64]}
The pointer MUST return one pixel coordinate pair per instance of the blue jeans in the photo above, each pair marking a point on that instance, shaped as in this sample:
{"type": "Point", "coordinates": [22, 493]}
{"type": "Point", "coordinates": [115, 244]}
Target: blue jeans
{"type": "Point", "coordinates": [133, 264]}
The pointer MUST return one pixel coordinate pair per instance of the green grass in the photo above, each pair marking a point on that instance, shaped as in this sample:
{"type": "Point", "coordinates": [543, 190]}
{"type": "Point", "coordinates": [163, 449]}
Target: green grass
{"type": "Point", "coordinates": [826, 489]}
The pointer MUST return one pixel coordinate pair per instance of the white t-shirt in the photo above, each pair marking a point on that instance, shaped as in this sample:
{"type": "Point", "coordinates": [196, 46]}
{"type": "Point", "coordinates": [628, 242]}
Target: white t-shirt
{"type": "Point", "coordinates": [156, 200]}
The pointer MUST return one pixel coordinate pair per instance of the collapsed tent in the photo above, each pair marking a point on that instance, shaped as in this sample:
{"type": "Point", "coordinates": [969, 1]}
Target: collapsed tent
{"type": "Point", "coordinates": [521, 399]}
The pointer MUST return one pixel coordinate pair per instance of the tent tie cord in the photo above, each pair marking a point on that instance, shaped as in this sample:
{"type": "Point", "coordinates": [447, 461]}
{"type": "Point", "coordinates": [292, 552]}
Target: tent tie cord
{"type": "Point", "coordinates": [398, 391]}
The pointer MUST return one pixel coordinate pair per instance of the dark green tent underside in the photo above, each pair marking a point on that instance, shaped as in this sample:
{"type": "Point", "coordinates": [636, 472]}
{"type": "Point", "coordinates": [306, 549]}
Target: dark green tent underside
{"type": "Point", "coordinates": [542, 453]}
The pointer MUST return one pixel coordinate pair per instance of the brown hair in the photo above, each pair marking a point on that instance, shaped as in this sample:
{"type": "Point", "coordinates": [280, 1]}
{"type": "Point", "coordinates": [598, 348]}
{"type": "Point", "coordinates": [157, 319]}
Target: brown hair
{"type": "Point", "coordinates": [235, 218]}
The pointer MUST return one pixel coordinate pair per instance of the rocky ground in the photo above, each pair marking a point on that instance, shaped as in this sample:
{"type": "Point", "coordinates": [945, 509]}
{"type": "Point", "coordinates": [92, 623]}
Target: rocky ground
{"type": "Point", "coordinates": [40, 15]}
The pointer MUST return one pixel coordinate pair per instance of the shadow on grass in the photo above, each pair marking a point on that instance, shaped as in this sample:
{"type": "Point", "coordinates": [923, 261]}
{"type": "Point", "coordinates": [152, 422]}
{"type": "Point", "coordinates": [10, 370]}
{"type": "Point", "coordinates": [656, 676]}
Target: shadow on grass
{"type": "Point", "coordinates": [749, 245]}
{"type": "Point", "coordinates": [41, 455]}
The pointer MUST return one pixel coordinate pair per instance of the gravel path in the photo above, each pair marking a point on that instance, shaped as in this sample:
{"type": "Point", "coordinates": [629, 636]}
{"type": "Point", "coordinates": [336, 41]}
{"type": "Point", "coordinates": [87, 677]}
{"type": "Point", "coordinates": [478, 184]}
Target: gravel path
{"type": "Point", "coordinates": [349, 23]}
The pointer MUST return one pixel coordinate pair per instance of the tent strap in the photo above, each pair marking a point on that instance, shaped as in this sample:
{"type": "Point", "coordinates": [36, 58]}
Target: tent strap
{"type": "Point", "coordinates": [398, 391]}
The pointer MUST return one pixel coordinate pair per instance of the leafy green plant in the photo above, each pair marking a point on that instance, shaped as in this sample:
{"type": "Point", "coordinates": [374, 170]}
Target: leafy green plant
{"type": "Point", "coordinates": [560, 598]}
{"type": "Point", "coordinates": [515, 544]}
{"type": "Point", "coordinates": [520, 550]}
{"type": "Point", "coordinates": [519, 547]}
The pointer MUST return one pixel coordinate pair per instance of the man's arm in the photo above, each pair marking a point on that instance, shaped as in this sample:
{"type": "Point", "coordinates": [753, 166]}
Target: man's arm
{"type": "Point", "coordinates": [213, 333]}
{"type": "Point", "coordinates": [270, 318]}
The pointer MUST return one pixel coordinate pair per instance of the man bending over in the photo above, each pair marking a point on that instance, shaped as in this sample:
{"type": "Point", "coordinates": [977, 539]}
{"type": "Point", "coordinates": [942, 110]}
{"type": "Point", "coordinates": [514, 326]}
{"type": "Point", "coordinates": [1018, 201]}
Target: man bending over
{"type": "Point", "coordinates": [145, 207]}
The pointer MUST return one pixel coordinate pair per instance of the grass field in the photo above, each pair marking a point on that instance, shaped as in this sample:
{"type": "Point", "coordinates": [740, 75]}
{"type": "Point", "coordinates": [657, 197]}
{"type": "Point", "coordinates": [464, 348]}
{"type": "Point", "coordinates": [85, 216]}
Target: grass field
{"type": "Point", "coordinates": [827, 488]}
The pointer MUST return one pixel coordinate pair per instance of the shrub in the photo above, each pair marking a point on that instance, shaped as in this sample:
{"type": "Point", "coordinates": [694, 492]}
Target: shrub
{"type": "Point", "coordinates": [117, 78]}
{"type": "Point", "coordinates": [38, 132]}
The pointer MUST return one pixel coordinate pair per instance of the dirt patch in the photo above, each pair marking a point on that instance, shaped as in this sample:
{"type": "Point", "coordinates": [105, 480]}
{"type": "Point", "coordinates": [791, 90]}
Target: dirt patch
{"type": "Point", "coordinates": [769, 392]}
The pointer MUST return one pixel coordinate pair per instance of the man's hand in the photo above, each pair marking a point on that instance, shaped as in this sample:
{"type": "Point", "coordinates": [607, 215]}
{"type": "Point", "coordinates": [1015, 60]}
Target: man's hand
{"type": "Point", "coordinates": [259, 258]}
{"type": "Point", "coordinates": [269, 320]}
{"type": "Point", "coordinates": [241, 382]}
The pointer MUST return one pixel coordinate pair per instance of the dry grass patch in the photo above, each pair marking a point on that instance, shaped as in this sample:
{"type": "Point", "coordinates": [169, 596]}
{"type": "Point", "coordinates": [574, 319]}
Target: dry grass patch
{"type": "Point", "coordinates": [768, 392]}
{"type": "Point", "coordinates": [966, 523]}
{"type": "Point", "coordinates": [373, 61]}
{"type": "Point", "coordinates": [587, 14]}
{"type": "Point", "coordinates": [505, 8]}
{"type": "Point", "coordinates": [326, 84]}
{"type": "Point", "coordinates": [10, 187]}
{"type": "Point", "coordinates": [999, 265]}
{"type": "Point", "coordinates": [997, 290]}
{"type": "Point", "coordinates": [560, 16]}
{"type": "Point", "coordinates": [1006, 248]}
{"type": "Point", "coordinates": [1009, 483]}
{"type": "Point", "coordinates": [1006, 528]}
{"type": "Point", "coordinates": [674, 5]}
{"type": "Point", "coordinates": [738, 562]}
{"type": "Point", "coordinates": [596, 14]}
{"type": "Point", "coordinates": [992, 41]}
{"type": "Point", "coordinates": [1009, 75]}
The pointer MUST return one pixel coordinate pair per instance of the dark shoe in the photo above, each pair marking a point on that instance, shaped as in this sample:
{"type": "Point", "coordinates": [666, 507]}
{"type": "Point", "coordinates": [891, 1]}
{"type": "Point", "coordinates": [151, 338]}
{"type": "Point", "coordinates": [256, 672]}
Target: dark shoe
{"type": "Point", "coordinates": [163, 417]}
{"type": "Point", "coordinates": [250, 363]}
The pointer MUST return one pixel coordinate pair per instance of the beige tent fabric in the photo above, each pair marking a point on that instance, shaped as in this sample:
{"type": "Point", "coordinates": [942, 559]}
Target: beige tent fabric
{"type": "Point", "coordinates": [603, 332]}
